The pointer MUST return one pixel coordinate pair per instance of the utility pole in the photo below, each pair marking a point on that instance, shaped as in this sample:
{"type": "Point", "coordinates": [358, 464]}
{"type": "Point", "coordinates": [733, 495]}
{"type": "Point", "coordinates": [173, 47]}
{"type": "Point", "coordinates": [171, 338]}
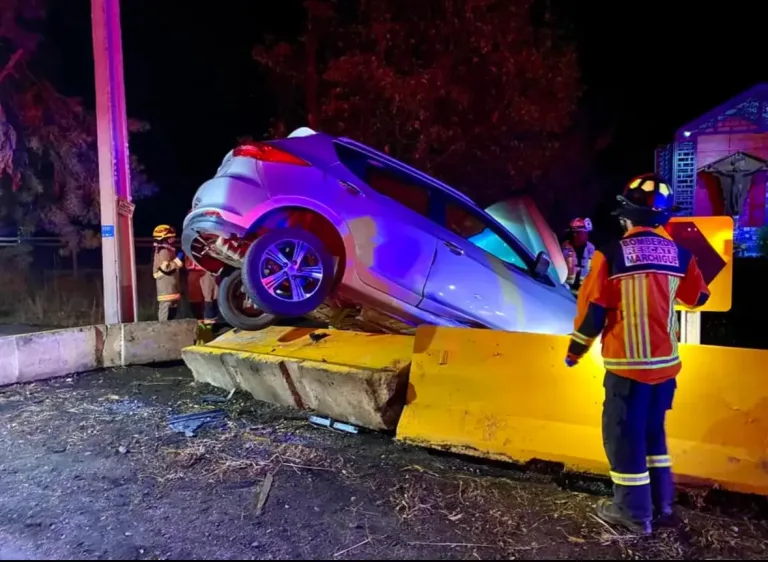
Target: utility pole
{"type": "Point", "coordinates": [117, 250]}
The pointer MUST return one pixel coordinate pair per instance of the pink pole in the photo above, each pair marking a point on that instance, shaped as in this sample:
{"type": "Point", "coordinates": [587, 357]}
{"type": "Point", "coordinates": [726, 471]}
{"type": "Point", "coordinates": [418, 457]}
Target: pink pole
{"type": "Point", "coordinates": [117, 249]}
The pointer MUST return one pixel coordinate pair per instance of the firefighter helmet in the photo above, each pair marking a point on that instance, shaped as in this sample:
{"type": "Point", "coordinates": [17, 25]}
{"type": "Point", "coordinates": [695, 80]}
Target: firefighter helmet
{"type": "Point", "coordinates": [580, 225]}
{"type": "Point", "coordinates": [163, 231]}
{"type": "Point", "coordinates": [646, 200]}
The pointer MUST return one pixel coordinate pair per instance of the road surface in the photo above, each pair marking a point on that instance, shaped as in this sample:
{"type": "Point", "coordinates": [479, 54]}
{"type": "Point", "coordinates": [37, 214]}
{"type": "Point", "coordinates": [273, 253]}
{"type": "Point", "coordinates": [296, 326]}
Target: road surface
{"type": "Point", "coordinates": [90, 470]}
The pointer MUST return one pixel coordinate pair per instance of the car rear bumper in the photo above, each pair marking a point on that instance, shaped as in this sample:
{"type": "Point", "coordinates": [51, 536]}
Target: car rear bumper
{"type": "Point", "coordinates": [206, 224]}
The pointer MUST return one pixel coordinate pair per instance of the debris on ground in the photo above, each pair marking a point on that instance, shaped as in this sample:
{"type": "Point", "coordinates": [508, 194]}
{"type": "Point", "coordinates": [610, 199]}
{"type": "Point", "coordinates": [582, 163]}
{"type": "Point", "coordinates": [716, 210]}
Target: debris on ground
{"type": "Point", "coordinates": [216, 399]}
{"type": "Point", "coordinates": [189, 424]}
{"type": "Point", "coordinates": [273, 487]}
{"type": "Point", "coordinates": [264, 489]}
{"type": "Point", "coordinates": [318, 336]}
{"type": "Point", "coordinates": [320, 421]}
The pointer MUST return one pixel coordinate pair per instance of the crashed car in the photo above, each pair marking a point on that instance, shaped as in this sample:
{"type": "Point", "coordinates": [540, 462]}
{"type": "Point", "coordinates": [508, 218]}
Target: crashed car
{"type": "Point", "coordinates": [326, 227]}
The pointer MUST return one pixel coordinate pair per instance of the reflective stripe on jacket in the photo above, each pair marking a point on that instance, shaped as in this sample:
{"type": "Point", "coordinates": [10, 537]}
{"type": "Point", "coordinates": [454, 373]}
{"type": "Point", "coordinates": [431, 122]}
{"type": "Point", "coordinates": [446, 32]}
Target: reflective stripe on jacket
{"type": "Point", "coordinates": [577, 269]}
{"type": "Point", "coordinates": [629, 298]}
{"type": "Point", "coordinates": [165, 270]}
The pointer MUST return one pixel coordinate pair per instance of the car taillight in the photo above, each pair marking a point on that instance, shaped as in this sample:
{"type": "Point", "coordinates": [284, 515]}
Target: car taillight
{"type": "Point", "coordinates": [268, 153]}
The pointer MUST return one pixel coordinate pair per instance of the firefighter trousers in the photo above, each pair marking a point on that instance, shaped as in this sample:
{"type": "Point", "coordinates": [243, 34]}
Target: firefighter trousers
{"type": "Point", "coordinates": [166, 310]}
{"type": "Point", "coordinates": [210, 292]}
{"type": "Point", "coordinates": [636, 445]}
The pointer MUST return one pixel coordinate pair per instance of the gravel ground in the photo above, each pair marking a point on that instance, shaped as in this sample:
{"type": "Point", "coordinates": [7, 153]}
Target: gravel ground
{"type": "Point", "coordinates": [91, 470]}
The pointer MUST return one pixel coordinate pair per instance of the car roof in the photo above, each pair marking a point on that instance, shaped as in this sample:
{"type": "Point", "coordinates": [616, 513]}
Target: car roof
{"type": "Point", "coordinates": [405, 167]}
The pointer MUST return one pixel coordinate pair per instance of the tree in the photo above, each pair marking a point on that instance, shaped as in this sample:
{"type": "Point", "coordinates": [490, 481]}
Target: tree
{"type": "Point", "coordinates": [48, 155]}
{"type": "Point", "coordinates": [477, 92]}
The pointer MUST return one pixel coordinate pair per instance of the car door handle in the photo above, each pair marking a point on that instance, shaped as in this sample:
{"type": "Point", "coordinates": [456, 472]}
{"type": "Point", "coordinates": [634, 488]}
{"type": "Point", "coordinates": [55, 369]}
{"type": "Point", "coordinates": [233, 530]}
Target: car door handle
{"type": "Point", "coordinates": [453, 248]}
{"type": "Point", "coordinates": [351, 188]}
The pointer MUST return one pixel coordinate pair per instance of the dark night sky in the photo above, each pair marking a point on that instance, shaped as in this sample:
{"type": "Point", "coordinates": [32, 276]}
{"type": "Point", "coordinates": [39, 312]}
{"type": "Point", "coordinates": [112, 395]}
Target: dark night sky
{"type": "Point", "coordinates": [189, 73]}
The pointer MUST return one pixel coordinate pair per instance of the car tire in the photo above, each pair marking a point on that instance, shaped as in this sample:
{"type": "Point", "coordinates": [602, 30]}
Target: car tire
{"type": "Point", "coordinates": [231, 308]}
{"type": "Point", "coordinates": [280, 299]}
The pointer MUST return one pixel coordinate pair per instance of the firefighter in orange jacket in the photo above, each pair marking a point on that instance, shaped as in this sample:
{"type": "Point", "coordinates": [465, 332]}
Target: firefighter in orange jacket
{"type": "Point", "coordinates": [629, 298]}
{"type": "Point", "coordinates": [165, 269]}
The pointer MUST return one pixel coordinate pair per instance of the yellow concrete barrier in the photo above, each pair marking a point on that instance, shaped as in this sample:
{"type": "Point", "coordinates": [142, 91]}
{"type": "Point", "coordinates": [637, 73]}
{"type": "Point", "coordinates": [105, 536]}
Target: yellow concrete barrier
{"type": "Point", "coordinates": [509, 396]}
{"type": "Point", "coordinates": [353, 377]}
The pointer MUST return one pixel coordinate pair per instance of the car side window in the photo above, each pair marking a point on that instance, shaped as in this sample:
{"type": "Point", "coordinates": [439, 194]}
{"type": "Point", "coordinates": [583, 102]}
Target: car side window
{"type": "Point", "coordinates": [395, 185]}
{"type": "Point", "coordinates": [390, 183]}
{"type": "Point", "coordinates": [474, 230]}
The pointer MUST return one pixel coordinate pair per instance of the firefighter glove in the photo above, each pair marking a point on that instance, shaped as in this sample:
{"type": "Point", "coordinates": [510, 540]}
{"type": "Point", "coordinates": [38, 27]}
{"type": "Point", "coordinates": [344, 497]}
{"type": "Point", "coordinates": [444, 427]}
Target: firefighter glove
{"type": "Point", "coordinates": [571, 360]}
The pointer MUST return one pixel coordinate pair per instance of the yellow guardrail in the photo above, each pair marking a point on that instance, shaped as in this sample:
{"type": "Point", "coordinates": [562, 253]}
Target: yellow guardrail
{"type": "Point", "coordinates": [509, 396]}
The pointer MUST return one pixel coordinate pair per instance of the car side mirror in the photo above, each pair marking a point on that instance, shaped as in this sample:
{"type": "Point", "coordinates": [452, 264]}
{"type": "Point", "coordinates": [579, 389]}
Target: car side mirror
{"type": "Point", "coordinates": [542, 264]}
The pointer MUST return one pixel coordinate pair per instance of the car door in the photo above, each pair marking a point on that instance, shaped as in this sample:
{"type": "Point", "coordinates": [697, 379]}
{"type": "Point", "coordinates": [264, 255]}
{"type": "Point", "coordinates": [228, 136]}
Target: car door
{"type": "Point", "coordinates": [387, 211]}
{"type": "Point", "coordinates": [481, 275]}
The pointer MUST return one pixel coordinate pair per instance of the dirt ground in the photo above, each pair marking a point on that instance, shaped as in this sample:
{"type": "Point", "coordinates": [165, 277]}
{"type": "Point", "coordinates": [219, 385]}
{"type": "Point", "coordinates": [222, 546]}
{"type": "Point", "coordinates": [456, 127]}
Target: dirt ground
{"type": "Point", "coordinates": [90, 469]}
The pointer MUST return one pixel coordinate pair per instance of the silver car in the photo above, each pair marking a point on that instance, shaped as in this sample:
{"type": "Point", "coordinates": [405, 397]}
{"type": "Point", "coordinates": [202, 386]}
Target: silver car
{"type": "Point", "coordinates": [328, 227]}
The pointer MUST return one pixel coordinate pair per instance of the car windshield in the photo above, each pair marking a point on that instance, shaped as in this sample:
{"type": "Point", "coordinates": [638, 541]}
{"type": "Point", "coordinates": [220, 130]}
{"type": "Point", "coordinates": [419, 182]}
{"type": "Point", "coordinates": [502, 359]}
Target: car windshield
{"type": "Point", "coordinates": [520, 217]}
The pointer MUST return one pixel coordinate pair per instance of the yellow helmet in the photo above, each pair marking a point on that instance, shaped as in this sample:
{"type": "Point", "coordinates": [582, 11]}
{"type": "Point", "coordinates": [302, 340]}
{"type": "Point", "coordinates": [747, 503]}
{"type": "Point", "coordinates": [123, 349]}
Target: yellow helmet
{"type": "Point", "coordinates": [163, 231]}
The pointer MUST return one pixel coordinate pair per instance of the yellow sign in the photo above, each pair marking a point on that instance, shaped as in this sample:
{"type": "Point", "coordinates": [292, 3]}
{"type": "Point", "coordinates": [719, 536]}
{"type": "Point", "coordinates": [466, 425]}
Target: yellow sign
{"type": "Point", "coordinates": [710, 239]}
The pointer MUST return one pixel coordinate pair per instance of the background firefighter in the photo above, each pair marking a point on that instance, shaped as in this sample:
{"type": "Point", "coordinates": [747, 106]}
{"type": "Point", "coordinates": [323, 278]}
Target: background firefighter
{"type": "Point", "coordinates": [165, 269]}
{"type": "Point", "coordinates": [629, 298]}
{"type": "Point", "coordinates": [578, 252]}
{"type": "Point", "coordinates": [209, 289]}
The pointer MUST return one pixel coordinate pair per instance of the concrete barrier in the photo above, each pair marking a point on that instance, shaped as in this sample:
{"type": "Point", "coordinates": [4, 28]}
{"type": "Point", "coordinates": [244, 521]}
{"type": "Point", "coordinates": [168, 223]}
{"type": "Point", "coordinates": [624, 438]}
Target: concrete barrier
{"type": "Point", "coordinates": [509, 396]}
{"type": "Point", "coordinates": [352, 377]}
{"type": "Point", "coordinates": [43, 355]}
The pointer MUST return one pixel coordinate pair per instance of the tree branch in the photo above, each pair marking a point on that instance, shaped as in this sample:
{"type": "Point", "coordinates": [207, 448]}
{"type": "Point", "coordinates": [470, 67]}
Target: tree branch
{"type": "Point", "coordinates": [11, 63]}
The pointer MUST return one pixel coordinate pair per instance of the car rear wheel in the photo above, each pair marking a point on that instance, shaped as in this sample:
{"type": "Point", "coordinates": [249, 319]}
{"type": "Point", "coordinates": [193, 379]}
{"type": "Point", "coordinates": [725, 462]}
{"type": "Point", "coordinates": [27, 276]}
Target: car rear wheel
{"type": "Point", "coordinates": [237, 309]}
{"type": "Point", "coordinates": [288, 272]}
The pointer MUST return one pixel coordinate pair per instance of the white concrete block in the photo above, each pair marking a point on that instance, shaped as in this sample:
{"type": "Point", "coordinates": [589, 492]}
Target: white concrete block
{"type": "Point", "coordinates": [56, 353]}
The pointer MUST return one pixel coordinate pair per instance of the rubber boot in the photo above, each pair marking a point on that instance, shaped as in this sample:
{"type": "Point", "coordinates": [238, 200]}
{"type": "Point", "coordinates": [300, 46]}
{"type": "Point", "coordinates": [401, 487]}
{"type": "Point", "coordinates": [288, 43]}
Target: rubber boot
{"type": "Point", "coordinates": [631, 508]}
{"type": "Point", "coordinates": [210, 312]}
{"type": "Point", "coordinates": [612, 514]}
{"type": "Point", "coordinates": [663, 494]}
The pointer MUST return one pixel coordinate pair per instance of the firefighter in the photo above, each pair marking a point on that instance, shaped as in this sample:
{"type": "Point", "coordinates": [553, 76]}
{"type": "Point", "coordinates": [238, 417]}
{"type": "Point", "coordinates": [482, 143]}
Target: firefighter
{"type": "Point", "coordinates": [578, 252]}
{"type": "Point", "coordinates": [165, 269]}
{"type": "Point", "coordinates": [628, 298]}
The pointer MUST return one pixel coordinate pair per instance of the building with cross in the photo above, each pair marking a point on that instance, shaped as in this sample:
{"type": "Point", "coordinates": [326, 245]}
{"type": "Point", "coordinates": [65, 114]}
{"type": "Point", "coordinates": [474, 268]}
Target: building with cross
{"type": "Point", "coordinates": [718, 165]}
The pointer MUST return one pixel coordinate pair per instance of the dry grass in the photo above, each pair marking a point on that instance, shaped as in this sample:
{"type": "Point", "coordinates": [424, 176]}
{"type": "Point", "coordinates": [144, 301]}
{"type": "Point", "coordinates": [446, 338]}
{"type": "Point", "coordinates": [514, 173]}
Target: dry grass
{"type": "Point", "coordinates": [62, 299]}
{"type": "Point", "coordinates": [241, 454]}
{"type": "Point", "coordinates": [521, 519]}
